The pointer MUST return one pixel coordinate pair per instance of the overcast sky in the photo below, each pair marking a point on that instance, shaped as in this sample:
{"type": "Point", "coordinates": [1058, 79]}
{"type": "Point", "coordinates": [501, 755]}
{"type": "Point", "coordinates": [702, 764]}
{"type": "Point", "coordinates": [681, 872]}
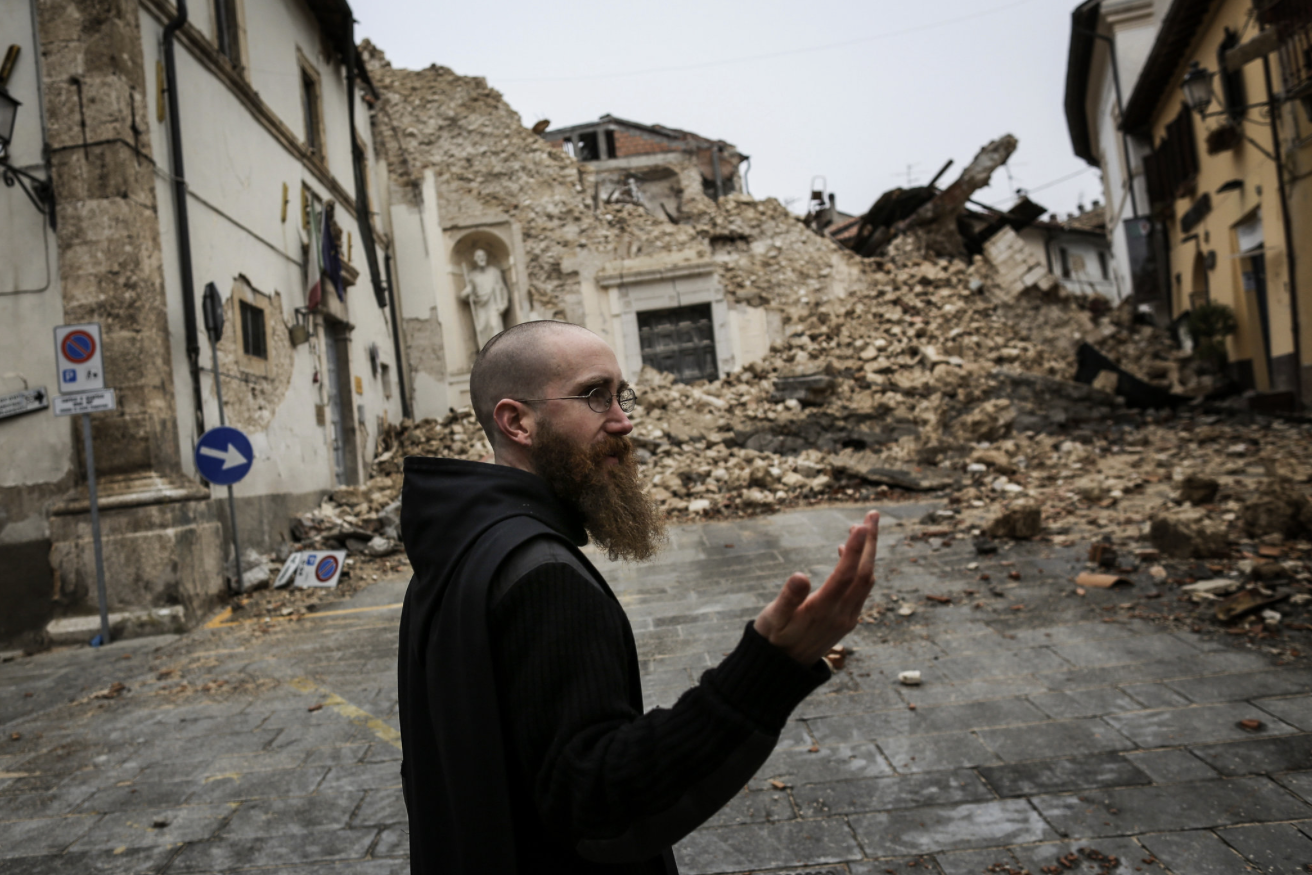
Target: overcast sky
{"type": "Point", "coordinates": [852, 91]}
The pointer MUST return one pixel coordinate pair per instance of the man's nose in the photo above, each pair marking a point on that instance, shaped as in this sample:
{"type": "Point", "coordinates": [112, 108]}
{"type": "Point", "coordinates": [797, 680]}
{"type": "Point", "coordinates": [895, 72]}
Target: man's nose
{"type": "Point", "coordinates": [617, 421]}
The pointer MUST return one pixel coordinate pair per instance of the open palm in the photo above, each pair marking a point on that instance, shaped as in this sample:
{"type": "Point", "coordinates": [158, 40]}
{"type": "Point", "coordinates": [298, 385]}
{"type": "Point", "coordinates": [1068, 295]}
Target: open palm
{"type": "Point", "coordinates": [805, 625]}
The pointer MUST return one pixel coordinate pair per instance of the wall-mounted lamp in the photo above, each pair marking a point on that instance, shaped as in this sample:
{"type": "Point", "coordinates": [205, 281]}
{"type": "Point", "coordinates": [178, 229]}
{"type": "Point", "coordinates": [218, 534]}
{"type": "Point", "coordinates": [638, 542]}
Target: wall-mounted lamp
{"type": "Point", "coordinates": [1197, 87]}
{"type": "Point", "coordinates": [300, 332]}
{"type": "Point", "coordinates": [39, 191]}
{"type": "Point", "coordinates": [8, 113]}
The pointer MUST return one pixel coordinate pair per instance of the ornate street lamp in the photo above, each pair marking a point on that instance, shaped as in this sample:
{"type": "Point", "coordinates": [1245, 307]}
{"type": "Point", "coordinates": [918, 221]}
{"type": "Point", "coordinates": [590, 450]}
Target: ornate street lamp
{"type": "Point", "coordinates": [8, 112]}
{"type": "Point", "coordinates": [1197, 87]}
{"type": "Point", "coordinates": [39, 191]}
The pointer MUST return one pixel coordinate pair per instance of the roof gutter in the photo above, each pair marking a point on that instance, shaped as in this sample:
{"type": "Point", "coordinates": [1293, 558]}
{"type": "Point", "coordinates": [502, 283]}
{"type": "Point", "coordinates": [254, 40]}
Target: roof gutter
{"type": "Point", "coordinates": [180, 213]}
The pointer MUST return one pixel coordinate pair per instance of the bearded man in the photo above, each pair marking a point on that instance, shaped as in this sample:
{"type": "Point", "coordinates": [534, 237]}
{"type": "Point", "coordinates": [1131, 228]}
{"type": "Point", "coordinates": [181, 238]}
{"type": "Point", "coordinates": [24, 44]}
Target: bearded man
{"type": "Point", "coordinates": [525, 746]}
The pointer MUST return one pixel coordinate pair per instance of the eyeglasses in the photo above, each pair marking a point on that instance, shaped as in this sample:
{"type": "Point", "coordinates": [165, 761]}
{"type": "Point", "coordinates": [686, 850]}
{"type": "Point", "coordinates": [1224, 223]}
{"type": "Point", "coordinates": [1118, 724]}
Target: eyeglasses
{"type": "Point", "coordinates": [598, 399]}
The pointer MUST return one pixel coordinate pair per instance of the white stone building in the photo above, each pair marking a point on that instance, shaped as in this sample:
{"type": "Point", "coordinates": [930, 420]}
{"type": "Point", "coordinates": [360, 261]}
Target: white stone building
{"type": "Point", "coordinates": [1109, 43]}
{"type": "Point", "coordinates": [261, 97]}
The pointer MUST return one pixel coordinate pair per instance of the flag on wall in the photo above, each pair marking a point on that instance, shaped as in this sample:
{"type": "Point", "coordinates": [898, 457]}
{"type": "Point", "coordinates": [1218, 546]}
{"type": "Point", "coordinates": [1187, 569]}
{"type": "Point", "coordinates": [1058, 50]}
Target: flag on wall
{"type": "Point", "coordinates": [332, 252]}
{"type": "Point", "coordinates": [314, 297]}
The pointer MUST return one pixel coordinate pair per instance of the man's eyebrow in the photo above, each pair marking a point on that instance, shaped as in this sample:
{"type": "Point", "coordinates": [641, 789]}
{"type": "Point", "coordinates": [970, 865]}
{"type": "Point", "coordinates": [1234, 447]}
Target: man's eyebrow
{"type": "Point", "coordinates": [582, 387]}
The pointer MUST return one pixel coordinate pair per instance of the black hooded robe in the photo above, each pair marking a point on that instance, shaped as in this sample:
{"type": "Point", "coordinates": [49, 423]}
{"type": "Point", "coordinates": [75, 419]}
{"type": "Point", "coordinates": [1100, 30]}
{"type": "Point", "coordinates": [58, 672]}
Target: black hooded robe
{"type": "Point", "coordinates": [525, 746]}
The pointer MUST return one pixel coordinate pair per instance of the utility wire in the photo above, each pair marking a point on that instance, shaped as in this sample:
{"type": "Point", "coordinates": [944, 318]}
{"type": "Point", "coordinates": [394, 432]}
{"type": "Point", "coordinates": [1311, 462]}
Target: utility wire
{"type": "Point", "coordinates": [1051, 183]}
{"type": "Point", "coordinates": [780, 54]}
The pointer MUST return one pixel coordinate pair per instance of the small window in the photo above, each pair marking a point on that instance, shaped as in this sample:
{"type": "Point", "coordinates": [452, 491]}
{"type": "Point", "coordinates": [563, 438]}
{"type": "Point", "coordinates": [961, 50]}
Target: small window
{"type": "Point", "coordinates": [227, 31]}
{"type": "Point", "coordinates": [311, 97]}
{"type": "Point", "coordinates": [1102, 265]}
{"type": "Point", "coordinates": [588, 148]}
{"type": "Point", "coordinates": [610, 144]}
{"type": "Point", "coordinates": [1065, 263]}
{"type": "Point", "coordinates": [385, 371]}
{"type": "Point", "coordinates": [254, 342]}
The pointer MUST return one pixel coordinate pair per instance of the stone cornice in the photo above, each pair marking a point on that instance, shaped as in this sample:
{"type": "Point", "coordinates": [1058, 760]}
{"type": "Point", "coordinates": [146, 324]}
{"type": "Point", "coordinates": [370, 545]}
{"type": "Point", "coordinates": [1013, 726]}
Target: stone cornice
{"type": "Point", "coordinates": [218, 66]}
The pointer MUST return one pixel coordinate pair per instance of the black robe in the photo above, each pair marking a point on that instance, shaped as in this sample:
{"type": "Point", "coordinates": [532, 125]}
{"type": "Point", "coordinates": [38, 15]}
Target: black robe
{"type": "Point", "coordinates": [473, 803]}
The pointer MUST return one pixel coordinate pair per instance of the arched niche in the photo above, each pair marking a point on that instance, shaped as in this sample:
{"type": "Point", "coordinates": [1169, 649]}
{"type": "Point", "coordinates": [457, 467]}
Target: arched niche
{"type": "Point", "coordinates": [462, 259]}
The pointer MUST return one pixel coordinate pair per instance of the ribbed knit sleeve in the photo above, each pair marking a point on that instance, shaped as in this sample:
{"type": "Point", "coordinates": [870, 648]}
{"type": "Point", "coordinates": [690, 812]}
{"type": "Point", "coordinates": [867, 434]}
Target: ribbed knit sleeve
{"type": "Point", "coordinates": [619, 782]}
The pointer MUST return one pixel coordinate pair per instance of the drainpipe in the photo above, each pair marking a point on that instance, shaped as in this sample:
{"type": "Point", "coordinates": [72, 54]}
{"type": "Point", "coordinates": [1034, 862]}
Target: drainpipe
{"type": "Point", "coordinates": [1274, 109]}
{"type": "Point", "coordinates": [180, 215]}
{"type": "Point", "coordinates": [396, 337]}
{"type": "Point", "coordinates": [363, 218]}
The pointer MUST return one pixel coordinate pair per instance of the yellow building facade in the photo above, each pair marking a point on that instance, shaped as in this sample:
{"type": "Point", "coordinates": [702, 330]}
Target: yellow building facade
{"type": "Point", "coordinates": [1229, 223]}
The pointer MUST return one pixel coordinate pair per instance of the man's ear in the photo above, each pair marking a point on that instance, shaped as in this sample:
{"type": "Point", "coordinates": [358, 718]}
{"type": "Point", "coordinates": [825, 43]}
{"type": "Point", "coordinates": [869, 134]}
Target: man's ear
{"type": "Point", "coordinates": [515, 421]}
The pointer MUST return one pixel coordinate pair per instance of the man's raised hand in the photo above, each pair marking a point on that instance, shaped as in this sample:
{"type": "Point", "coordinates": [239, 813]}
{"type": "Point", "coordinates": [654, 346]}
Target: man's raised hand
{"type": "Point", "coordinates": [806, 625]}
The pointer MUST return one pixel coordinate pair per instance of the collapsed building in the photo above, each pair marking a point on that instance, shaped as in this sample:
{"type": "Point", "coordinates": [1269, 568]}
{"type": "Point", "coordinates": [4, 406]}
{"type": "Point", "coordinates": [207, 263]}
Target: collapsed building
{"type": "Point", "coordinates": [826, 374]}
{"type": "Point", "coordinates": [625, 236]}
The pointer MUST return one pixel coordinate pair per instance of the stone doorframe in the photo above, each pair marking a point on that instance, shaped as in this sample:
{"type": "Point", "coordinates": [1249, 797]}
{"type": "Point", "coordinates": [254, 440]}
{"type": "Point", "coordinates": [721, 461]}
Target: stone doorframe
{"type": "Point", "coordinates": [663, 288]}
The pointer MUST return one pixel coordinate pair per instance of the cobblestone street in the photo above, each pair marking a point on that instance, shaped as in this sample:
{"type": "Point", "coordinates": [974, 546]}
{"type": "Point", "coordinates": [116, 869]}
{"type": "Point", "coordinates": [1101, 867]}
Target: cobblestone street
{"type": "Point", "coordinates": [1047, 728]}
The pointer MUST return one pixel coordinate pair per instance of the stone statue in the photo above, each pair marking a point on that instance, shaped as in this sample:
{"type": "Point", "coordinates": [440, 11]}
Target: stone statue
{"type": "Point", "coordinates": [485, 292]}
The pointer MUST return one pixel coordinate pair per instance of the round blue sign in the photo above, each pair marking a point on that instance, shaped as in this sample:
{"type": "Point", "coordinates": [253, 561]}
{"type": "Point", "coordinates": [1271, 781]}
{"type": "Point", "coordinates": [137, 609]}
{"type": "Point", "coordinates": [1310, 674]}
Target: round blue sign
{"type": "Point", "coordinates": [224, 455]}
{"type": "Point", "coordinates": [327, 567]}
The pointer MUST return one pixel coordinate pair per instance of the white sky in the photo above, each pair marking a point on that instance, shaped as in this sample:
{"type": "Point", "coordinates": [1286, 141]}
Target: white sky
{"type": "Point", "coordinates": [854, 91]}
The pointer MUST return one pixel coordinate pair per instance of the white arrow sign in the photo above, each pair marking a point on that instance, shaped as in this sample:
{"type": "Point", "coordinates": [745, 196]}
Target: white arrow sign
{"type": "Point", "coordinates": [231, 456]}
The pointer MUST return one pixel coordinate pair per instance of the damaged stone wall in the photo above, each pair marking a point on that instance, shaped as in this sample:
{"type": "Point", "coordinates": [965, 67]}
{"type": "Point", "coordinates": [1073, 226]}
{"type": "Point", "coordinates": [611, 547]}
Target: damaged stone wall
{"type": "Point", "coordinates": [453, 140]}
{"type": "Point", "coordinates": [252, 399]}
{"type": "Point", "coordinates": [160, 533]}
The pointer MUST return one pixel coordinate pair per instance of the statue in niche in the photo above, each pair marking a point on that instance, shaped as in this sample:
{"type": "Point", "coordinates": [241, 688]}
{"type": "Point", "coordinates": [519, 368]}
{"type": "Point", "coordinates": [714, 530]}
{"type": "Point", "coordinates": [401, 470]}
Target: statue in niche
{"type": "Point", "coordinates": [485, 292]}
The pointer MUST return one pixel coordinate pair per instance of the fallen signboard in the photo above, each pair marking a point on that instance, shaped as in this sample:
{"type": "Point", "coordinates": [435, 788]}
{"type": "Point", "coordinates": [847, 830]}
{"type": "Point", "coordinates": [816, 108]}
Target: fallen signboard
{"type": "Point", "coordinates": [312, 568]}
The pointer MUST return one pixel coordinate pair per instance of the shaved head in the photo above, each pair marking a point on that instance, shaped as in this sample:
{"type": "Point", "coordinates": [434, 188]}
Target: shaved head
{"type": "Point", "coordinates": [517, 363]}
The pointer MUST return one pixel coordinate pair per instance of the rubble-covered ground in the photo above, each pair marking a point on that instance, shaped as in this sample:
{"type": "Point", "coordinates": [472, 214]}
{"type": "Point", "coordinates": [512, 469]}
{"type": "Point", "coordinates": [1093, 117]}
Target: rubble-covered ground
{"type": "Point", "coordinates": [929, 384]}
{"type": "Point", "coordinates": [894, 376]}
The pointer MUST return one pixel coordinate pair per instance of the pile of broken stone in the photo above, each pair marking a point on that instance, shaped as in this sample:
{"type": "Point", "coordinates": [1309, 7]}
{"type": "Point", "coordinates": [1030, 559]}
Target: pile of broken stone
{"type": "Point", "coordinates": [937, 380]}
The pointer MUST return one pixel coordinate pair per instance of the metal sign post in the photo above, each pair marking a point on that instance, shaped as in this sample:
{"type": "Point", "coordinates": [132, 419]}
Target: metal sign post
{"type": "Point", "coordinates": [95, 530]}
{"type": "Point", "coordinates": [212, 310]}
{"type": "Point", "coordinates": [78, 353]}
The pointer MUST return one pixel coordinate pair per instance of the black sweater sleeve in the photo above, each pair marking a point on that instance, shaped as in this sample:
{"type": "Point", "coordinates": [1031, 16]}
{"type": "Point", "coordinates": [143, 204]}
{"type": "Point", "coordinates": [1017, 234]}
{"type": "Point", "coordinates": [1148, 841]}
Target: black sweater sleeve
{"type": "Point", "coordinates": [623, 785]}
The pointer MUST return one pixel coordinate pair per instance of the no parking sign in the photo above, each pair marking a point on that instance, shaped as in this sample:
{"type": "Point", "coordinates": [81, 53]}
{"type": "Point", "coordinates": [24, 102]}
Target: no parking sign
{"type": "Point", "coordinates": [79, 357]}
{"type": "Point", "coordinates": [319, 568]}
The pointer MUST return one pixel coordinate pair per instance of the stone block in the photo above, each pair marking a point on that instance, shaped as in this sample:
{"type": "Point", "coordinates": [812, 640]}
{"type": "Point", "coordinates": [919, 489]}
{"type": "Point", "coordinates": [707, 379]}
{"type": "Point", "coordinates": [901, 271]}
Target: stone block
{"type": "Point", "coordinates": [1198, 852]}
{"type": "Point", "coordinates": [762, 846]}
{"type": "Point", "coordinates": [124, 624]}
{"type": "Point", "coordinates": [889, 793]}
{"type": "Point", "coordinates": [155, 555]}
{"type": "Point", "coordinates": [1135, 810]}
{"type": "Point", "coordinates": [950, 827]}
{"type": "Point", "coordinates": [1075, 773]}
{"type": "Point", "coordinates": [1046, 740]}
{"type": "Point", "coordinates": [1202, 724]}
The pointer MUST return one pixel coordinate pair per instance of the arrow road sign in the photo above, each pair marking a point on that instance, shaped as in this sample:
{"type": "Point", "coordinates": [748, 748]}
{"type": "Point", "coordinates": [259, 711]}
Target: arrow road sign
{"type": "Point", "coordinates": [224, 455]}
{"type": "Point", "coordinates": [23, 402]}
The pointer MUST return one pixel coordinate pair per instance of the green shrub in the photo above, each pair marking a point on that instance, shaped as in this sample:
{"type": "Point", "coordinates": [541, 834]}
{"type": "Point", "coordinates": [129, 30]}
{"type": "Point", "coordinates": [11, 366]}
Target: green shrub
{"type": "Point", "coordinates": [1210, 324]}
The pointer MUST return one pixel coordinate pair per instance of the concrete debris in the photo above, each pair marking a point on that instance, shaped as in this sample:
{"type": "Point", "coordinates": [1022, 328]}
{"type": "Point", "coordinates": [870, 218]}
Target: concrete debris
{"type": "Point", "coordinates": [254, 571]}
{"type": "Point", "coordinates": [1196, 489]}
{"type": "Point", "coordinates": [122, 625]}
{"type": "Point", "coordinates": [1189, 533]}
{"type": "Point", "coordinates": [886, 374]}
{"type": "Point", "coordinates": [1021, 522]}
{"type": "Point", "coordinates": [1101, 581]}
{"type": "Point", "coordinates": [1277, 508]}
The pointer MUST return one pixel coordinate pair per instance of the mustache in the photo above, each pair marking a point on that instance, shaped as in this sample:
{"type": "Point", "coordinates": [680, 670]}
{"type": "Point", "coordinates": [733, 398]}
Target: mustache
{"type": "Point", "coordinates": [615, 445]}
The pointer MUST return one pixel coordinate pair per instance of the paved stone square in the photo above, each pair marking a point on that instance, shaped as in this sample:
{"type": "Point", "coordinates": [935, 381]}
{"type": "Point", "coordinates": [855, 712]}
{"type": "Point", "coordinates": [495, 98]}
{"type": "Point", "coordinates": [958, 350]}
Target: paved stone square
{"type": "Point", "coordinates": [1049, 730]}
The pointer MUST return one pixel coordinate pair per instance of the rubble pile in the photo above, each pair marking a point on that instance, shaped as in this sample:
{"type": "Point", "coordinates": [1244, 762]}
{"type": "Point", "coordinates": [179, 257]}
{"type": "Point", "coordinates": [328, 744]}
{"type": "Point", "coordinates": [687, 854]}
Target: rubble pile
{"type": "Point", "coordinates": [889, 375]}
